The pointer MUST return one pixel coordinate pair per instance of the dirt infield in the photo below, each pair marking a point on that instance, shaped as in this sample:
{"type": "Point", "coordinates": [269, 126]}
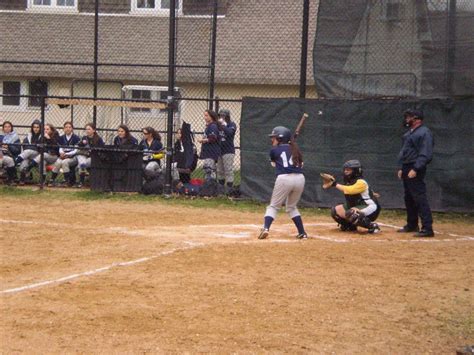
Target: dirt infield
{"type": "Point", "coordinates": [110, 276]}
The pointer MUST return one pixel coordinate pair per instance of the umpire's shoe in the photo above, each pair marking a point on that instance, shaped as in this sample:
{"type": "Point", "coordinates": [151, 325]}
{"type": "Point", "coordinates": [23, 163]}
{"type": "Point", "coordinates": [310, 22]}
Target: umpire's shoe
{"type": "Point", "coordinates": [408, 229]}
{"type": "Point", "coordinates": [424, 234]}
{"type": "Point", "coordinates": [263, 233]}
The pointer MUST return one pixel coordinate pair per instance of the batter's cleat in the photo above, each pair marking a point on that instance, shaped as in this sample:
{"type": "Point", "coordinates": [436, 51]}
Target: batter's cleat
{"type": "Point", "coordinates": [302, 236]}
{"type": "Point", "coordinates": [263, 233]}
{"type": "Point", "coordinates": [374, 228]}
{"type": "Point", "coordinates": [408, 229]}
{"type": "Point", "coordinates": [424, 234]}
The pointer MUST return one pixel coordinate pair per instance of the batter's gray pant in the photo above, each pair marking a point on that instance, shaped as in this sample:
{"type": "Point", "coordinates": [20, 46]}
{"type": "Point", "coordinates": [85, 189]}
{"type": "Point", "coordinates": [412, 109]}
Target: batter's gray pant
{"type": "Point", "coordinates": [64, 164]}
{"type": "Point", "coordinates": [28, 155]}
{"type": "Point", "coordinates": [7, 162]}
{"type": "Point", "coordinates": [209, 167]}
{"type": "Point", "coordinates": [225, 167]}
{"type": "Point", "coordinates": [288, 189]}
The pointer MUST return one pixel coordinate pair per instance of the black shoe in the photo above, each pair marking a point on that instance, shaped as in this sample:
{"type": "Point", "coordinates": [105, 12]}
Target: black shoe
{"type": "Point", "coordinates": [407, 229]}
{"type": "Point", "coordinates": [348, 227]}
{"type": "Point", "coordinates": [373, 229]}
{"type": "Point", "coordinates": [424, 234]}
{"type": "Point", "coordinates": [302, 236]}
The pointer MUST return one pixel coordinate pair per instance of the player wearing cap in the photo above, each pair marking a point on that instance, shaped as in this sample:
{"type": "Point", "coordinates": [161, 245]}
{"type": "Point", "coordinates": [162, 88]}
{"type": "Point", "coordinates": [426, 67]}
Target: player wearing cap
{"type": "Point", "coordinates": [287, 159]}
{"type": "Point", "coordinates": [415, 155]}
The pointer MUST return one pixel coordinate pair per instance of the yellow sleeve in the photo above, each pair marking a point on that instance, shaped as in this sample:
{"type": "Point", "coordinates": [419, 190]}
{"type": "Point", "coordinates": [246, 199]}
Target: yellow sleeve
{"type": "Point", "coordinates": [359, 187]}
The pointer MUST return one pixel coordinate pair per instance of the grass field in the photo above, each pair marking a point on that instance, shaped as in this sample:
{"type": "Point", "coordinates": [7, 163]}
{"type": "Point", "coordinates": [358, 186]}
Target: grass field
{"type": "Point", "coordinates": [87, 272]}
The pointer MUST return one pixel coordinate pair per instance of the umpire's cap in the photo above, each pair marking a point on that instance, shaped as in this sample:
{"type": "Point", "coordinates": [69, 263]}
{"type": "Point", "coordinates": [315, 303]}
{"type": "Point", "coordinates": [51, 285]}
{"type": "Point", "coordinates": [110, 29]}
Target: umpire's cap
{"type": "Point", "coordinates": [414, 113]}
{"type": "Point", "coordinates": [281, 133]}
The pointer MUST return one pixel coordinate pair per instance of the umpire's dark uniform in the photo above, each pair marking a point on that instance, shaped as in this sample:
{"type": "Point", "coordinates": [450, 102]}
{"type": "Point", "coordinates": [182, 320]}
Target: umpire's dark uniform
{"type": "Point", "coordinates": [416, 154]}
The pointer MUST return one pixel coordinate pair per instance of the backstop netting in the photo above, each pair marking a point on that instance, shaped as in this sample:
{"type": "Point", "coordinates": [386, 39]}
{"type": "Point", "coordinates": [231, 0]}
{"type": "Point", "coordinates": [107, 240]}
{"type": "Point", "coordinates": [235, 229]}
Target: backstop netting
{"type": "Point", "coordinates": [397, 48]}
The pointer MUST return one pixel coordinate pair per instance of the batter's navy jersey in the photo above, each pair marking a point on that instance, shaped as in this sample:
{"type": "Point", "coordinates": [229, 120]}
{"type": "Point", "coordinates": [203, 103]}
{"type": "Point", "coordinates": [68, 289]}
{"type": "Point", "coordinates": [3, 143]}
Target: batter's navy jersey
{"type": "Point", "coordinates": [281, 156]}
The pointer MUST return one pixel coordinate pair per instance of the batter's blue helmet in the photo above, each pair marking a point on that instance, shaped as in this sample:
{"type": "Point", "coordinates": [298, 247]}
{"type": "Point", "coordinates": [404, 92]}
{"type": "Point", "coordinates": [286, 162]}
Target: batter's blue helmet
{"type": "Point", "coordinates": [282, 134]}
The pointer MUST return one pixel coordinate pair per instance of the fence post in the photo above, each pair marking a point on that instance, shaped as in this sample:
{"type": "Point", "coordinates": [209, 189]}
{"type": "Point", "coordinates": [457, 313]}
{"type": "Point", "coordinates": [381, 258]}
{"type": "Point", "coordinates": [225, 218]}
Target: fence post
{"type": "Point", "coordinates": [304, 49]}
{"type": "Point", "coordinates": [171, 99]}
{"type": "Point", "coordinates": [96, 58]}
{"type": "Point", "coordinates": [213, 56]}
{"type": "Point", "coordinates": [43, 140]}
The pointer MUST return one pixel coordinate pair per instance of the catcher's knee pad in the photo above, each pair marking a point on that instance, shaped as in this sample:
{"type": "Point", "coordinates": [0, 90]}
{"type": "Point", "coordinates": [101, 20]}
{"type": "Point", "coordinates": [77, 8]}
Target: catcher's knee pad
{"type": "Point", "coordinates": [336, 217]}
{"type": "Point", "coordinates": [352, 216]}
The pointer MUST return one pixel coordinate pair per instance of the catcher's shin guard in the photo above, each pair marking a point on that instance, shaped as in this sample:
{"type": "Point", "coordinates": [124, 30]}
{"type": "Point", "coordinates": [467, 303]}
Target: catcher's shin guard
{"type": "Point", "coordinates": [358, 218]}
{"type": "Point", "coordinates": [344, 225]}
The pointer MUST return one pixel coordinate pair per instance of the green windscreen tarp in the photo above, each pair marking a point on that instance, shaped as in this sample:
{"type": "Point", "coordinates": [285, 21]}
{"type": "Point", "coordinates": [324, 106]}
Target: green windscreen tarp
{"type": "Point", "coordinates": [368, 130]}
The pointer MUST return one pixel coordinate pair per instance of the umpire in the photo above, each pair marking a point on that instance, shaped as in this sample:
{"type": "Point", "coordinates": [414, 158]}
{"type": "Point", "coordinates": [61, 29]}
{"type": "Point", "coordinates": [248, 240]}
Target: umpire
{"type": "Point", "coordinates": [415, 155]}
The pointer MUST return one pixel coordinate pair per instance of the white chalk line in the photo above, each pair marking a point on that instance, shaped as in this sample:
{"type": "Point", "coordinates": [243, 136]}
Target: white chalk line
{"type": "Point", "coordinates": [278, 227]}
{"type": "Point", "coordinates": [463, 237]}
{"type": "Point", "coordinates": [192, 245]}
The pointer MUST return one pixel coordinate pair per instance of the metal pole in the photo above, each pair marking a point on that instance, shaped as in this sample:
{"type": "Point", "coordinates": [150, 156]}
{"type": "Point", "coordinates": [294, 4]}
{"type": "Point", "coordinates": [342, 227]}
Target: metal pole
{"type": "Point", "coordinates": [304, 49]}
{"type": "Point", "coordinates": [43, 140]}
{"type": "Point", "coordinates": [96, 58]}
{"type": "Point", "coordinates": [213, 55]}
{"type": "Point", "coordinates": [451, 55]}
{"type": "Point", "coordinates": [171, 99]}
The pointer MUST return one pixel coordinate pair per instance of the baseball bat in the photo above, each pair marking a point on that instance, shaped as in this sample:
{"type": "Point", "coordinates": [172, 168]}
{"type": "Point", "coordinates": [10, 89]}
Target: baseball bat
{"type": "Point", "coordinates": [300, 125]}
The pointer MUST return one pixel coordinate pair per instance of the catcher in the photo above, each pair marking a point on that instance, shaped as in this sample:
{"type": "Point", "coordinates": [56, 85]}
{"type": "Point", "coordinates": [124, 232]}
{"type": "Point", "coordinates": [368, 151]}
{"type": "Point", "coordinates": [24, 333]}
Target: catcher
{"type": "Point", "coordinates": [361, 208]}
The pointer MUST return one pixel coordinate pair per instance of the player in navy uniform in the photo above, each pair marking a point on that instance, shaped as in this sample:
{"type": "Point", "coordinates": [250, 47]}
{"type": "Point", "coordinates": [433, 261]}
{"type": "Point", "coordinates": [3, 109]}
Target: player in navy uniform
{"type": "Point", "coordinates": [90, 140]}
{"type": "Point", "coordinates": [67, 154]}
{"type": "Point", "coordinates": [287, 159]}
{"type": "Point", "coordinates": [225, 163]}
{"type": "Point", "coordinates": [210, 148]}
{"type": "Point", "coordinates": [151, 144]}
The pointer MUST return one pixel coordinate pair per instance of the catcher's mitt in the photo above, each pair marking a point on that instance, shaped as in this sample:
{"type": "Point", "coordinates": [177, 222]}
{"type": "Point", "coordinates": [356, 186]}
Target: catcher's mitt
{"type": "Point", "coordinates": [328, 180]}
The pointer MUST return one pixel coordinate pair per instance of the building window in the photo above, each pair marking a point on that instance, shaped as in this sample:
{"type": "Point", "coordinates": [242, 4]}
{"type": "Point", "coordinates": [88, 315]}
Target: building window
{"type": "Point", "coordinates": [154, 6]}
{"type": "Point", "coordinates": [37, 88]}
{"type": "Point", "coordinates": [392, 10]}
{"type": "Point", "coordinates": [141, 95]}
{"type": "Point", "coordinates": [11, 88]}
{"type": "Point", "coordinates": [53, 4]}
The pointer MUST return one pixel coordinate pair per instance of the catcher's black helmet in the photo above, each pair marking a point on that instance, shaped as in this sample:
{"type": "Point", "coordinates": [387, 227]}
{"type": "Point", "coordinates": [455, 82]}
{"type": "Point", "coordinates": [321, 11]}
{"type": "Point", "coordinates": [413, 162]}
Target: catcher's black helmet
{"type": "Point", "coordinates": [356, 167]}
{"type": "Point", "coordinates": [224, 113]}
{"type": "Point", "coordinates": [282, 134]}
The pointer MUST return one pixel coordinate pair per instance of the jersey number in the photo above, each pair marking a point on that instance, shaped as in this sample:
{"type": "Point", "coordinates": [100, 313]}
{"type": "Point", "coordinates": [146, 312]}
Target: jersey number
{"type": "Point", "coordinates": [285, 159]}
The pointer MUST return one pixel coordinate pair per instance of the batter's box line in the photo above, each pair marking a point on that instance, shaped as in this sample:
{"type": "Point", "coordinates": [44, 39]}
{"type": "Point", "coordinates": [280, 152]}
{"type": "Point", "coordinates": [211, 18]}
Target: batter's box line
{"type": "Point", "coordinates": [192, 245]}
{"type": "Point", "coordinates": [464, 237]}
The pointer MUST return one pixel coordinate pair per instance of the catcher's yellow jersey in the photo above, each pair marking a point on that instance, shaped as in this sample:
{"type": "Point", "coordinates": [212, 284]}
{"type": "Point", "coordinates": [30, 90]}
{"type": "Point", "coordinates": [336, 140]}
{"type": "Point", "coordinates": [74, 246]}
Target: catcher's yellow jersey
{"type": "Point", "coordinates": [358, 193]}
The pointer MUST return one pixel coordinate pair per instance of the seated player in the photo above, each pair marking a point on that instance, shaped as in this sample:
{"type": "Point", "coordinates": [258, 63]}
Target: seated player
{"type": "Point", "coordinates": [50, 150]}
{"type": "Point", "coordinates": [9, 151]}
{"type": "Point", "coordinates": [124, 138]}
{"type": "Point", "coordinates": [361, 208]}
{"type": "Point", "coordinates": [89, 141]}
{"type": "Point", "coordinates": [151, 144]}
{"type": "Point", "coordinates": [30, 151]}
{"type": "Point", "coordinates": [67, 155]}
